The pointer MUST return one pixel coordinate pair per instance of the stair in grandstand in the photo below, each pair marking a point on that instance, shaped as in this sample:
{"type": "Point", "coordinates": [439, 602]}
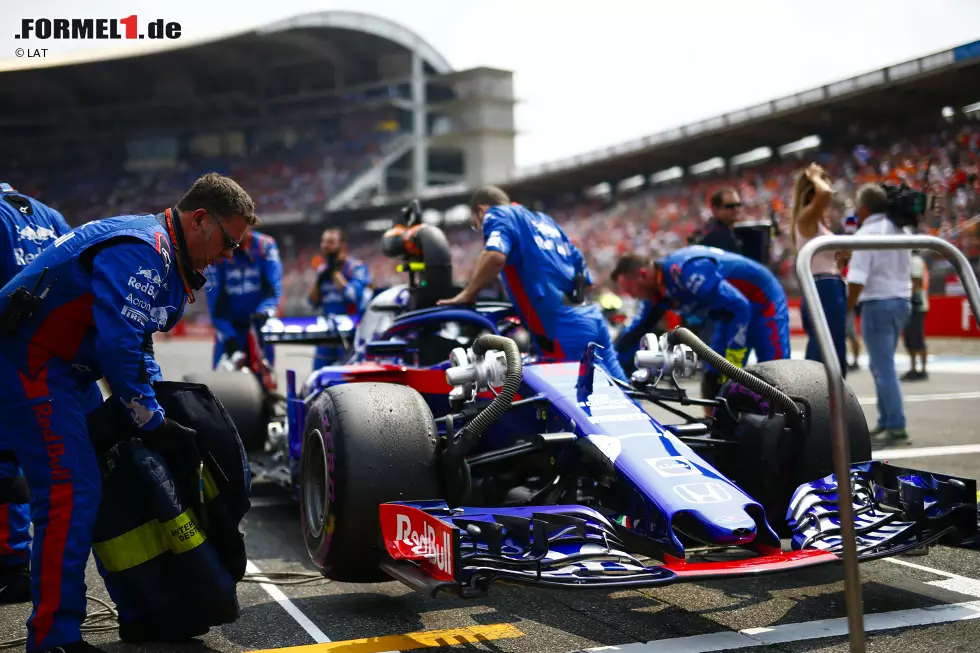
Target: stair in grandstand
{"type": "Point", "coordinates": [371, 176]}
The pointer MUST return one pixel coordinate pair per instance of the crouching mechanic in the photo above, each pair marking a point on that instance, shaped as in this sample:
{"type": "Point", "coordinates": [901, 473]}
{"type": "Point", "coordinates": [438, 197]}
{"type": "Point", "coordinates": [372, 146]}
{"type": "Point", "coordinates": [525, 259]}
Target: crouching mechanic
{"type": "Point", "coordinates": [340, 288]}
{"type": "Point", "coordinates": [27, 227]}
{"type": "Point", "coordinates": [545, 275]}
{"type": "Point", "coordinates": [244, 288]}
{"type": "Point", "coordinates": [104, 288]}
{"type": "Point", "coordinates": [743, 296]}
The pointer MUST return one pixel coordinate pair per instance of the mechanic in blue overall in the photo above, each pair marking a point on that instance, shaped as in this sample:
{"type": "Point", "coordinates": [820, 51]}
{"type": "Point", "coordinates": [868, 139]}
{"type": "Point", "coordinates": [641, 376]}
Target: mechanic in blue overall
{"type": "Point", "coordinates": [26, 228]}
{"type": "Point", "coordinates": [84, 309]}
{"type": "Point", "coordinates": [341, 288]}
{"type": "Point", "coordinates": [545, 275]}
{"type": "Point", "coordinates": [245, 289]}
{"type": "Point", "coordinates": [744, 297]}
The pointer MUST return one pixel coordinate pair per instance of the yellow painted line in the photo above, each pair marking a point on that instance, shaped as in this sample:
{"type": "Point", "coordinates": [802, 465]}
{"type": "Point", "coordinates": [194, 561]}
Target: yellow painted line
{"type": "Point", "coordinates": [409, 641]}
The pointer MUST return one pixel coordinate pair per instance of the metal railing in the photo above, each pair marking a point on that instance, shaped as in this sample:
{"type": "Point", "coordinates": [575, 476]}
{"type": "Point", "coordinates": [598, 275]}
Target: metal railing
{"type": "Point", "coordinates": [835, 382]}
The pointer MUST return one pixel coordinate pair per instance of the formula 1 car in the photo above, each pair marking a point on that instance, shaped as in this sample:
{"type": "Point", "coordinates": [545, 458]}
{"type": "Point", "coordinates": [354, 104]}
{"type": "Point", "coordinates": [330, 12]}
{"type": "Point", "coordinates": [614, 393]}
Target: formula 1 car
{"type": "Point", "coordinates": [556, 475]}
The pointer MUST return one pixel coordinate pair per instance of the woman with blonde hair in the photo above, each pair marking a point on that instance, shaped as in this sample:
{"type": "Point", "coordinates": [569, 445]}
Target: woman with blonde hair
{"type": "Point", "coordinates": [812, 195]}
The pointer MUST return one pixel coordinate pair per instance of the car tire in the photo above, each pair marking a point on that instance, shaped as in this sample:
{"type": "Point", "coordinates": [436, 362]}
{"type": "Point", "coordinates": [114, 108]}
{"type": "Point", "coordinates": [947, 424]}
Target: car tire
{"type": "Point", "coordinates": [364, 444]}
{"type": "Point", "coordinates": [242, 396]}
{"type": "Point", "coordinates": [811, 455]}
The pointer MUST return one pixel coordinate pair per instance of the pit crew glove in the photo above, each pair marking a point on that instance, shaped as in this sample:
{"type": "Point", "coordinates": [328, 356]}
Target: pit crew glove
{"type": "Point", "coordinates": [178, 444]}
{"type": "Point", "coordinates": [230, 346]}
{"type": "Point", "coordinates": [259, 319]}
{"type": "Point", "coordinates": [170, 436]}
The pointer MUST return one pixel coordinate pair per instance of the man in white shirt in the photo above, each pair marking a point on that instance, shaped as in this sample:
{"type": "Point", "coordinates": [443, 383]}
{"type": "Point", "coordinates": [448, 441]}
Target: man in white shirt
{"type": "Point", "coordinates": [879, 281]}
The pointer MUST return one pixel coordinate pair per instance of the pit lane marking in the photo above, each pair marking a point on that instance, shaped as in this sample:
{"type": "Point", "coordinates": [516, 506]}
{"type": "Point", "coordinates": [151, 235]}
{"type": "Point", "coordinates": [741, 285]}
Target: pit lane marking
{"type": "Point", "coordinates": [953, 582]}
{"type": "Point", "coordinates": [287, 605]}
{"type": "Point", "coordinates": [911, 399]}
{"type": "Point", "coordinates": [807, 630]}
{"type": "Point", "coordinates": [411, 641]}
{"type": "Point", "coordinates": [925, 452]}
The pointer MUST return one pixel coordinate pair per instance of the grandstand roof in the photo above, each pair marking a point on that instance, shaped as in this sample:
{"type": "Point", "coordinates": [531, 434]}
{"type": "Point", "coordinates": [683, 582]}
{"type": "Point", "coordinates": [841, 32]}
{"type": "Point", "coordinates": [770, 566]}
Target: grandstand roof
{"type": "Point", "coordinates": [898, 96]}
{"type": "Point", "coordinates": [316, 52]}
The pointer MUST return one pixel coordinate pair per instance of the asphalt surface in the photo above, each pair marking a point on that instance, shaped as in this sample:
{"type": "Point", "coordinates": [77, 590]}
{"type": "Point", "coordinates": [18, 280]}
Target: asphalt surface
{"type": "Point", "coordinates": [931, 606]}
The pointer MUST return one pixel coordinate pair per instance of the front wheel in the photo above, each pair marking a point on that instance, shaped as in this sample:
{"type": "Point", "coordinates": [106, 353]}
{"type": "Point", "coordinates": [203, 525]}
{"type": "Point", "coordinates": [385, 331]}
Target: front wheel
{"type": "Point", "coordinates": [770, 471]}
{"type": "Point", "coordinates": [364, 444]}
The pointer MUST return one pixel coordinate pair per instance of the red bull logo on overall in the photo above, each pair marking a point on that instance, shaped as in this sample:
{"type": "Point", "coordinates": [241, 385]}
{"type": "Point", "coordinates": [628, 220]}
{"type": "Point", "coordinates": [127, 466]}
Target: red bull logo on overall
{"type": "Point", "coordinates": [53, 444]}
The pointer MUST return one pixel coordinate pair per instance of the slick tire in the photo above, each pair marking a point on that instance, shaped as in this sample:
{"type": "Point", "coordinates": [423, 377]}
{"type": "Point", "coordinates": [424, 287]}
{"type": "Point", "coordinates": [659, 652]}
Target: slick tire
{"type": "Point", "coordinates": [809, 456]}
{"type": "Point", "coordinates": [242, 396]}
{"type": "Point", "coordinates": [364, 444]}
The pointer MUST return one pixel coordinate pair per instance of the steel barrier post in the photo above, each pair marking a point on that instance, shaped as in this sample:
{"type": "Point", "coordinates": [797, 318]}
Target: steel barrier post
{"type": "Point", "coordinates": [835, 383]}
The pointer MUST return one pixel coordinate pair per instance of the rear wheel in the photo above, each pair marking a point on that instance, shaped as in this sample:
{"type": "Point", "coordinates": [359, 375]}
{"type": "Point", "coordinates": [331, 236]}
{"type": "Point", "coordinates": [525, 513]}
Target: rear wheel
{"type": "Point", "coordinates": [768, 467]}
{"type": "Point", "coordinates": [364, 444]}
{"type": "Point", "coordinates": [242, 396]}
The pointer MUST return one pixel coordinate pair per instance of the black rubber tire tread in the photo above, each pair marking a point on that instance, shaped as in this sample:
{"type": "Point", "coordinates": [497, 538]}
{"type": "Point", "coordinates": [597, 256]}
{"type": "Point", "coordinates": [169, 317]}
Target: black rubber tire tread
{"type": "Point", "coordinates": [806, 381]}
{"type": "Point", "coordinates": [384, 445]}
{"type": "Point", "coordinates": [242, 396]}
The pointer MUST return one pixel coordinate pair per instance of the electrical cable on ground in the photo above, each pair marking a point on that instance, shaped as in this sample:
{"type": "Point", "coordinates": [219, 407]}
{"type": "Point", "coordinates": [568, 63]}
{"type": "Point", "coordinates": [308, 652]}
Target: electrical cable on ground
{"type": "Point", "coordinates": [106, 619]}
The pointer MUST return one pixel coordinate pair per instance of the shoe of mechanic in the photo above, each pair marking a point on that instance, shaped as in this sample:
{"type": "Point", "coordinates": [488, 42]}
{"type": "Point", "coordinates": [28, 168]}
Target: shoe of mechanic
{"type": "Point", "coordinates": [15, 583]}
{"type": "Point", "coordinates": [74, 647]}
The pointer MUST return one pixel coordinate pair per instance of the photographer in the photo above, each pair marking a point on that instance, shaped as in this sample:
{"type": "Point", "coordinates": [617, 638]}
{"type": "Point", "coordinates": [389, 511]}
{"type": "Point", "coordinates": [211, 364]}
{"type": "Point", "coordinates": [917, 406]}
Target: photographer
{"type": "Point", "coordinates": [340, 287]}
{"type": "Point", "coordinates": [879, 281]}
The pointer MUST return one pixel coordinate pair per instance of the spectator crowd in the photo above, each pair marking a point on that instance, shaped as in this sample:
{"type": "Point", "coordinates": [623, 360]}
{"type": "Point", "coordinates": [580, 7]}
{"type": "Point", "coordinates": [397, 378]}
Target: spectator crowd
{"type": "Point", "coordinates": [657, 220]}
{"type": "Point", "coordinates": [651, 221]}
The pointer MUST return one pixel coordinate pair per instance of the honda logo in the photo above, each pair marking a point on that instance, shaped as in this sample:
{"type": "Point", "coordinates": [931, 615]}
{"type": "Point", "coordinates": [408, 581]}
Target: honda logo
{"type": "Point", "coordinates": [703, 492]}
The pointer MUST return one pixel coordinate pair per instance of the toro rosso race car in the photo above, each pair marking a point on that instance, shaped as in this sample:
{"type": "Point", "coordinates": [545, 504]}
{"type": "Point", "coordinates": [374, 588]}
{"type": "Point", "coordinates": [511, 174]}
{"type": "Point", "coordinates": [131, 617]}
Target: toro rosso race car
{"type": "Point", "coordinates": [556, 475]}
{"type": "Point", "coordinates": [447, 455]}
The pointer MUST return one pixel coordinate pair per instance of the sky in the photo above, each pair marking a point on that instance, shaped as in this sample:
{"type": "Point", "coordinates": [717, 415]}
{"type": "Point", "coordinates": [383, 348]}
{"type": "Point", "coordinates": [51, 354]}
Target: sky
{"type": "Point", "coordinates": [589, 75]}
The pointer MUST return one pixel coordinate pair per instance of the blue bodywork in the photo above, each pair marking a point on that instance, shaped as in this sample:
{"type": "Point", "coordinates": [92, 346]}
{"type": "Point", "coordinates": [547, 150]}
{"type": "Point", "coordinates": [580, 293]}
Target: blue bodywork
{"type": "Point", "coordinates": [673, 501]}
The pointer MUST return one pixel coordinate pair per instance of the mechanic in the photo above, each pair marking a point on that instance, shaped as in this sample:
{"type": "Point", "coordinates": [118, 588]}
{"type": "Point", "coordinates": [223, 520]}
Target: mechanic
{"type": "Point", "coordinates": [341, 283]}
{"type": "Point", "coordinates": [744, 297]}
{"type": "Point", "coordinates": [88, 309]}
{"type": "Point", "coordinates": [245, 290]}
{"type": "Point", "coordinates": [545, 275]}
{"type": "Point", "coordinates": [26, 228]}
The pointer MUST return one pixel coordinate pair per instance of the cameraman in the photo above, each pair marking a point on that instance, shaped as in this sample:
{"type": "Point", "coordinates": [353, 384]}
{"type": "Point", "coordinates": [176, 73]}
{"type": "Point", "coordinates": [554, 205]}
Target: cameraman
{"type": "Point", "coordinates": [879, 281]}
{"type": "Point", "coordinates": [340, 288]}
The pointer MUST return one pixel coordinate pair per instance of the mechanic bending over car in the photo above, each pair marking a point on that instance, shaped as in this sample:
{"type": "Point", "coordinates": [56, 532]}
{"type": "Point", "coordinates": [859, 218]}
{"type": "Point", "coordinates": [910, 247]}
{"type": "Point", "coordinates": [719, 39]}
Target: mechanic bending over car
{"type": "Point", "coordinates": [744, 297]}
{"type": "Point", "coordinates": [245, 289]}
{"type": "Point", "coordinates": [26, 228]}
{"type": "Point", "coordinates": [545, 275]}
{"type": "Point", "coordinates": [341, 288]}
{"type": "Point", "coordinates": [87, 308]}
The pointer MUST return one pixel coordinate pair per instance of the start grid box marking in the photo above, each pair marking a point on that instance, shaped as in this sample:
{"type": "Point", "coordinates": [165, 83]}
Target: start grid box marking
{"type": "Point", "coordinates": [411, 641]}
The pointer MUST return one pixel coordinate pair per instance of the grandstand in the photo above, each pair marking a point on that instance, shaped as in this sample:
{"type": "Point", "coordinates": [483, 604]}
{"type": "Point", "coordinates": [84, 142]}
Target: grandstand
{"type": "Point", "coordinates": [340, 118]}
{"type": "Point", "coordinates": [309, 113]}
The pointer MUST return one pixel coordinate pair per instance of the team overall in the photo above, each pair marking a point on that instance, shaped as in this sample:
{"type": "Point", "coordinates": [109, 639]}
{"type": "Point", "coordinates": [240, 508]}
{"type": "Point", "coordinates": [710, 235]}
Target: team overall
{"type": "Point", "coordinates": [539, 275]}
{"type": "Point", "coordinates": [248, 283]}
{"type": "Point", "coordinates": [744, 297]}
{"type": "Point", "coordinates": [112, 284]}
{"type": "Point", "coordinates": [27, 227]}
